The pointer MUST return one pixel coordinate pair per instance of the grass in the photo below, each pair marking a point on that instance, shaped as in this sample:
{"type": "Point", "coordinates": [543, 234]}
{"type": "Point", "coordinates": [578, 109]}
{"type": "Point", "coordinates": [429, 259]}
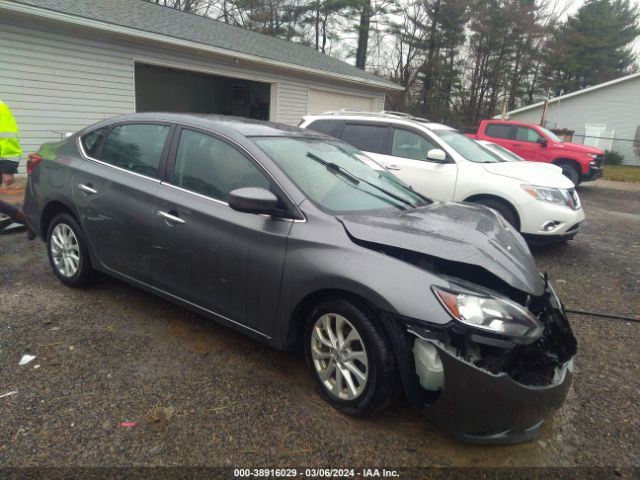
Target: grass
{"type": "Point", "coordinates": [622, 173]}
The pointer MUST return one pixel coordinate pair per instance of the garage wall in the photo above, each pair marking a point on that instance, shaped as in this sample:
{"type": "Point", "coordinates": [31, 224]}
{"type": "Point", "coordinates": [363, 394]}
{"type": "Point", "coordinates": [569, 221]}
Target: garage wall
{"type": "Point", "coordinates": [59, 78]}
{"type": "Point", "coordinates": [321, 101]}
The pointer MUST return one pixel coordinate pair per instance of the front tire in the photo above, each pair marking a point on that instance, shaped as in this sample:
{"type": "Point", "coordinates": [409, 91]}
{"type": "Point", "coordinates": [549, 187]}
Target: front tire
{"type": "Point", "coordinates": [507, 211]}
{"type": "Point", "coordinates": [67, 250]}
{"type": "Point", "coordinates": [350, 358]}
{"type": "Point", "coordinates": [571, 172]}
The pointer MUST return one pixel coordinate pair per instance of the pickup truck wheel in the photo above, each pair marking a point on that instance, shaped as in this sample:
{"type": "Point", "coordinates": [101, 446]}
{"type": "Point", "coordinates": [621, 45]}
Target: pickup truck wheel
{"type": "Point", "coordinates": [503, 208]}
{"type": "Point", "coordinates": [571, 172]}
{"type": "Point", "coordinates": [350, 358]}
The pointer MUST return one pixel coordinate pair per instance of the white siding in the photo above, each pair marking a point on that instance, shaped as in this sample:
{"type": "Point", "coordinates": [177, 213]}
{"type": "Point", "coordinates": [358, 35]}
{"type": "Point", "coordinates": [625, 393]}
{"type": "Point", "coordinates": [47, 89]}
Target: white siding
{"type": "Point", "coordinates": [58, 78]}
{"type": "Point", "coordinates": [615, 106]}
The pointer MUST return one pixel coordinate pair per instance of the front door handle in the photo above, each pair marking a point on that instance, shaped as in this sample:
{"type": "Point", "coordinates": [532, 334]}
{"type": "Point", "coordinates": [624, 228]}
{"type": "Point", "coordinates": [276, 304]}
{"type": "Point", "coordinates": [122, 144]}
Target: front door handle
{"type": "Point", "coordinates": [169, 218]}
{"type": "Point", "coordinates": [88, 188]}
{"type": "Point", "coordinates": [392, 167]}
{"type": "Point", "coordinates": [516, 144]}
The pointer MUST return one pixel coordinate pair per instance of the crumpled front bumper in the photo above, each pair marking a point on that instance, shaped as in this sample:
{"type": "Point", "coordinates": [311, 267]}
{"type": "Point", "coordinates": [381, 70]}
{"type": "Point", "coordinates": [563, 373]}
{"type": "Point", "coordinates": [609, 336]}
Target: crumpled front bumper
{"type": "Point", "coordinates": [484, 408]}
{"type": "Point", "coordinates": [475, 404]}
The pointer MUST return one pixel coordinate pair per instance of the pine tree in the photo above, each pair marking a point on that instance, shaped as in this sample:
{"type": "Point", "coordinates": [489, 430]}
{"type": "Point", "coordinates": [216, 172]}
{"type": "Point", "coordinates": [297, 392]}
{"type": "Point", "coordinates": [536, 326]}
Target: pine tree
{"type": "Point", "coordinates": [593, 46]}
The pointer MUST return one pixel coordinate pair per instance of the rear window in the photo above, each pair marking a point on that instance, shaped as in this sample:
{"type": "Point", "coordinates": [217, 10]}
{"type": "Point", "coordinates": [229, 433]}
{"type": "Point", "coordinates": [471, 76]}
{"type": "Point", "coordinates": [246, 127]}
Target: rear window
{"type": "Point", "coordinates": [497, 130]}
{"type": "Point", "coordinates": [136, 147]}
{"type": "Point", "coordinates": [369, 138]}
{"type": "Point", "coordinates": [92, 140]}
{"type": "Point", "coordinates": [329, 127]}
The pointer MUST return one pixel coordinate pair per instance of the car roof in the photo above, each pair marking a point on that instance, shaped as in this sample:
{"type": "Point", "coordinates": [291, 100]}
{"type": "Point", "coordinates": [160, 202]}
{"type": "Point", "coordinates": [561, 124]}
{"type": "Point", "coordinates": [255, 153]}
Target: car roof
{"type": "Point", "coordinates": [380, 117]}
{"type": "Point", "coordinates": [512, 122]}
{"type": "Point", "coordinates": [244, 126]}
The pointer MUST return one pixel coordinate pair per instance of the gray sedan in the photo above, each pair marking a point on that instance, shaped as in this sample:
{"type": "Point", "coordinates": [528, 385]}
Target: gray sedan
{"type": "Point", "coordinates": [304, 243]}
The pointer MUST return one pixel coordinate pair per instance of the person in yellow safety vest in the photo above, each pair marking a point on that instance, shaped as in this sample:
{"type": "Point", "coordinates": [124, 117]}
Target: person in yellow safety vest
{"type": "Point", "coordinates": [10, 150]}
{"type": "Point", "coordinates": [10, 153]}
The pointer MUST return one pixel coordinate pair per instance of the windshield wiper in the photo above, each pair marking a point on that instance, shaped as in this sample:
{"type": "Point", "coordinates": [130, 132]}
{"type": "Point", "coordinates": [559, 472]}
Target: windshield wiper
{"type": "Point", "coordinates": [335, 168]}
{"type": "Point", "coordinates": [356, 180]}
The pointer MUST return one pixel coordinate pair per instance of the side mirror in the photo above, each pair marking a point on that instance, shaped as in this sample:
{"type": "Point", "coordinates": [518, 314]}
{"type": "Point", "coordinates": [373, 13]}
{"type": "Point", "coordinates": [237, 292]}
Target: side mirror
{"type": "Point", "coordinates": [437, 155]}
{"type": "Point", "coordinates": [542, 141]}
{"type": "Point", "coordinates": [253, 200]}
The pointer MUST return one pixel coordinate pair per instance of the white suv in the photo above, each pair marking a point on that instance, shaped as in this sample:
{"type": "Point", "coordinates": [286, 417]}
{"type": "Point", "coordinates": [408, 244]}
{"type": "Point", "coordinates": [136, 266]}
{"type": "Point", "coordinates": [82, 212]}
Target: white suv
{"type": "Point", "coordinates": [442, 163]}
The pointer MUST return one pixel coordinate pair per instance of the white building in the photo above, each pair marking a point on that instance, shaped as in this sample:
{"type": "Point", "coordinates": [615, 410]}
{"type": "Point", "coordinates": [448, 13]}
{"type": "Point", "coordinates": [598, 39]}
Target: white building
{"type": "Point", "coordinates": [65, 64]}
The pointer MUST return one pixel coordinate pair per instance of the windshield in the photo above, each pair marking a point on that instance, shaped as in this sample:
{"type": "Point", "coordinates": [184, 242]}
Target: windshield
{"type": "Point", "coordinates": [466, 147]}
{"type": "Point", "coordinates": [506, 155]}
{"type": "Point", "coordinates": [337, 177]}
{"type": "Point", "coordinates": [550, 134]}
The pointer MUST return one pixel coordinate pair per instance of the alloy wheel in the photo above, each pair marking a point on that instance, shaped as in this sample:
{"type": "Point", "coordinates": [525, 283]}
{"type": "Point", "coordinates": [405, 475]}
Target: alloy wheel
{"type": "Point", "coordinates": [339, 356]}
{"type": "Point", "coordinates": [65, 250]}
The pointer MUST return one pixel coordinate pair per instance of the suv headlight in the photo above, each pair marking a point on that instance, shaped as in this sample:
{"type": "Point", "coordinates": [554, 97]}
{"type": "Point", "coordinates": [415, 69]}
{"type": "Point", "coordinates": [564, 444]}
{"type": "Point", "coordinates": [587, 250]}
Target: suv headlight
{"type": "Point", "coordinates": [552, 195]}
{"type": "Point", "coordinates": [491, 314]}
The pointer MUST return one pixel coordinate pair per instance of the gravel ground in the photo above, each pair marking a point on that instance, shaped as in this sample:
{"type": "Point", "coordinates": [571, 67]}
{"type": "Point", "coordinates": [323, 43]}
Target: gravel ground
{"type": "Point", "coordinates": [201, 394]}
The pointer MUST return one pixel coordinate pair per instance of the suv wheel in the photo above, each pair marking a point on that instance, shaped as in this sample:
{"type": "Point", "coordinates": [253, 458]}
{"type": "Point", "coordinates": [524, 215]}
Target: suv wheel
{"type": "Point", "coordinates": [507, 211]}
{"type": "Point", "coordinates": [68, 253]}
{"type": "Point", "coordinates": [350, 359]}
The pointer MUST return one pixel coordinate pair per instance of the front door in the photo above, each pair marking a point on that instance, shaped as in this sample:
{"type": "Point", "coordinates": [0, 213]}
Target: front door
{"type": "Point", "coordinates": [526, 144]}
{"type": "Point", "coordinates": [408, 161]}
{"type": "Point", "coordinates": [114, 192]}
{"type": "Point", "coordinates": [225, 261]}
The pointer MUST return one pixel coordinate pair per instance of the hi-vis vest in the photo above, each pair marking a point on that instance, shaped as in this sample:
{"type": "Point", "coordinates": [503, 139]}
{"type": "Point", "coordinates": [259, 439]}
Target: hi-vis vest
{"type": "Point", "coordinates": [9, 145]}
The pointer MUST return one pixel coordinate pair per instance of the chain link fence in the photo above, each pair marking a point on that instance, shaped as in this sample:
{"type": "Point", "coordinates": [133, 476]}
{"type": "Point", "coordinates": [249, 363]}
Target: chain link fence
{"type": "Point", "coordinates": [627, 149]}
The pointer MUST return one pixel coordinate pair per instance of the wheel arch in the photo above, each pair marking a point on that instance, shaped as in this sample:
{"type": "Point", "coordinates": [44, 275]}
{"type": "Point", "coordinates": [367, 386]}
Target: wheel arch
{"type": "Point", "coordinates": [568, 161]}
{"type": "Point", "coordinates": [49, 212]}
{"type": "Point", "coordinates": [487, 196]}
{"type": "Point", "coordinates": [295, 329]}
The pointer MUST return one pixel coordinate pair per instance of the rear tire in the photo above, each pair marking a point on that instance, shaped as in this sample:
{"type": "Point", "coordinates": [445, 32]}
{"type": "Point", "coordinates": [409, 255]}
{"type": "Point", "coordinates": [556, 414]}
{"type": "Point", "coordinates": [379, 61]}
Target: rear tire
{"type": "Point", "coordinates": [340, 341]}
{"type": "Point", "coordinates": [571, 172]}
{"type": "Point", "coordinates": [504, 209]}
{"type": "Point", "coordinates": [67, 251]}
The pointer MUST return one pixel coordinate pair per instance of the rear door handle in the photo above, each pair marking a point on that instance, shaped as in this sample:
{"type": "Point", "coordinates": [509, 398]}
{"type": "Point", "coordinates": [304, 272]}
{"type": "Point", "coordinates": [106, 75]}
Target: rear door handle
{"type": "Point", "coordinates": [516, 144]}
{"type": "Point", "coordinates": [392, 167]}
{"type": "Point", "coordinates": [88, 188]}
{"type": "Point", "coordinates": [171, 218]}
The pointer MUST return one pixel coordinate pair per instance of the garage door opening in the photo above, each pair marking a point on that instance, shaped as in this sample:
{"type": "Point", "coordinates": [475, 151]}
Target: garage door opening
{"type": "Point", "coordinates": [161, 89]}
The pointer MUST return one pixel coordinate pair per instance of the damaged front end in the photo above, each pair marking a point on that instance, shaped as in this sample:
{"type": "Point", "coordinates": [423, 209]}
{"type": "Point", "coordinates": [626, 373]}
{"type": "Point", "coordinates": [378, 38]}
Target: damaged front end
{"type": "Point", "coordinates": [491, 386]}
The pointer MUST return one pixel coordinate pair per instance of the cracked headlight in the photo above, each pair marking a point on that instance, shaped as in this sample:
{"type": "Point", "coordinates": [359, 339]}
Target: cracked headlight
{"type": "Point", "coordinates": [491, 314]}
{"type": "Point", "coordinates": [552, 195]}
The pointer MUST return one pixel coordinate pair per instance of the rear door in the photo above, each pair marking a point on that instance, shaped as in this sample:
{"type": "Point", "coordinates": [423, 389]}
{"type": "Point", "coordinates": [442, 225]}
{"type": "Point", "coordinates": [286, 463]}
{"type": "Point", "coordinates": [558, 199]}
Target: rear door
{"type": "Point", "coordinates": [405, 155]}
{"type": "Point", "coordinates": [227, 262]}
{"type": "Point", "coordinates": [114, 192]}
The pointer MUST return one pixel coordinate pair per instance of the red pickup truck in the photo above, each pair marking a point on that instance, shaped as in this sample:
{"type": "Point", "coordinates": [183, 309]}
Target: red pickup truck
{"type": "Point", "coordinates": [580, 163]}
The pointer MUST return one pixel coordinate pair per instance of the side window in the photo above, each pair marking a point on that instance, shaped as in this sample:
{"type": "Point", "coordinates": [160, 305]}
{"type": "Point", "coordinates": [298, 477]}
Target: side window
{"type": "Point", "coordinates": [525, 134]}
{"type": "Point", "coordinates": [92, 140]}
{"type": "Point", "coordinates": [407, 144]}
{"type": "Point", "coordinates": [497, 130]}
{"type": "Point", "coordinates": [211, 167]}
{"type": "Point", "coordinates": [370, 138]}
{"type": "Point", "coordinates": [325, 126]}
{"type": "Point", "coordinates": [136, 147]}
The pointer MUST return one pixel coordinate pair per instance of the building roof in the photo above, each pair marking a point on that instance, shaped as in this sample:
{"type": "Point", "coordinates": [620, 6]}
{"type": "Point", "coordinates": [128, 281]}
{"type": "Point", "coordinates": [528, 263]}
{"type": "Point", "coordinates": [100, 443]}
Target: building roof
{"type": "Point", "coordinates": [575, 94]}
{"type": "Point", "coordinates": [148, 20]}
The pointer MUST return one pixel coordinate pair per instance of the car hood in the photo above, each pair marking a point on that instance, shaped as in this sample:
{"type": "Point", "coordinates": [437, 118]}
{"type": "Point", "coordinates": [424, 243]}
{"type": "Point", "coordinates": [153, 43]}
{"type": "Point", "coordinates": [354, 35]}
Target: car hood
{"type": "Point", "coordinates": [468, 234]}
{"type": "Point", "coordinates": [578, 148]}
{"type": "Point", "coordinates": [532, 173]}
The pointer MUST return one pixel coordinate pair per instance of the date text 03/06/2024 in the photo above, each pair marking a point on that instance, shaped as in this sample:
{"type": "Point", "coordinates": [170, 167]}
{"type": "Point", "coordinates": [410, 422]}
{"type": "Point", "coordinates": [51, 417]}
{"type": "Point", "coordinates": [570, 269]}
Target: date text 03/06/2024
{"type": "Point", "coordinates": [315, 472]}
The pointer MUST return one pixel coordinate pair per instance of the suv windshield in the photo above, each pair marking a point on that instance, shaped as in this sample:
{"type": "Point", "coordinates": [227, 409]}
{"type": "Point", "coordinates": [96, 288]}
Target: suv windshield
{"type": "Point", "coordinates": [466, 147]}
{"type": "Point", "coordinates": [337, 177]}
